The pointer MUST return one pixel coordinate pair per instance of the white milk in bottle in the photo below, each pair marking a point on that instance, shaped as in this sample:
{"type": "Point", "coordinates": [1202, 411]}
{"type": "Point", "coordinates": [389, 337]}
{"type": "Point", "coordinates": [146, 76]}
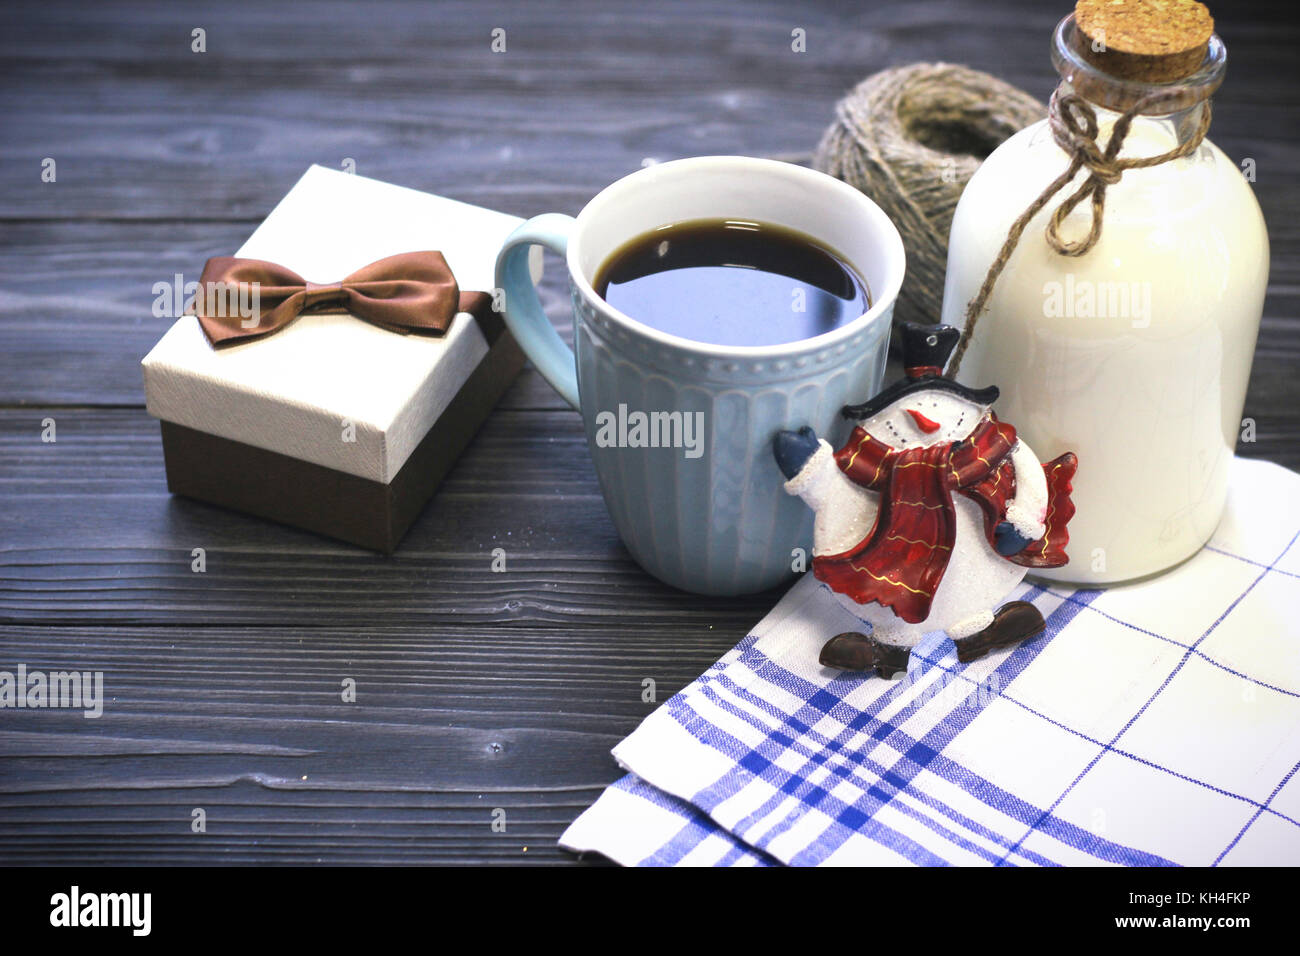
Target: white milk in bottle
{"type": "Point", "coordinates": [1136, 354]}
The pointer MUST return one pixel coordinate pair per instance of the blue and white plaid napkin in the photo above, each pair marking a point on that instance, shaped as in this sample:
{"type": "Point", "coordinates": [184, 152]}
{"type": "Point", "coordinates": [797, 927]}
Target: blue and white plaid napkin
{"type": "Point", "coordinates": [1152, 724]}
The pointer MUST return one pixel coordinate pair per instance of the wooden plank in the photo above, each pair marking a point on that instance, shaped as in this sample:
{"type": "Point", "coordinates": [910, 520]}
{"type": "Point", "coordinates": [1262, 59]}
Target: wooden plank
{"type": "Point", "coordinates": [449, 724]}
{"type": "Point", "coordinates": [89, 532]}
{"type": "Point", "coordinates": [501, 126]}
{"type": "Point", "coordinates": [263, 694]}
{"type": "Point", "coordinates": [143, 127]}
{"type": "Point", "coordinates": [252, 820]}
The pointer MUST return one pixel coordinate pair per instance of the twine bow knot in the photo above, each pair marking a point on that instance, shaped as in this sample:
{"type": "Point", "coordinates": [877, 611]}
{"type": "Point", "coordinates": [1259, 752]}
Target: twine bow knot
{"type": "Point", "coordinates": [1074, 127]}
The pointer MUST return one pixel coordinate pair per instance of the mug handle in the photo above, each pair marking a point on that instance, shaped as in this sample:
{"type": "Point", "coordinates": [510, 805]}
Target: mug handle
{"type": "Point", "coordinates": [523, 310]}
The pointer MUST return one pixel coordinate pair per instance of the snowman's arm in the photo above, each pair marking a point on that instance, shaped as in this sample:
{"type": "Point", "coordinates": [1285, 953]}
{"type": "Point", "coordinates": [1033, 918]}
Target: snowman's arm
{"type": "Point", "coordinates": [845, 511]}
{"type": "Point", "coordinates": [1028, 507]}
{"type": "Point", "coordinates": [817, 477]}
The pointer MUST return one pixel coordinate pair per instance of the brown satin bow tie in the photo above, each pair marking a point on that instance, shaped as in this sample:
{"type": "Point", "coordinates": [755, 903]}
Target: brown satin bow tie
{"type": "Point", "coordinates": [412, 291]}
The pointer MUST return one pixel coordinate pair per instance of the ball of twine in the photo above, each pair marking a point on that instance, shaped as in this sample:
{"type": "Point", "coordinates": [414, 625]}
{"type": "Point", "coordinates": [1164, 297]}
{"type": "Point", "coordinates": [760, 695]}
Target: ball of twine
{"type": "Point", "coordinates": [910, 138]}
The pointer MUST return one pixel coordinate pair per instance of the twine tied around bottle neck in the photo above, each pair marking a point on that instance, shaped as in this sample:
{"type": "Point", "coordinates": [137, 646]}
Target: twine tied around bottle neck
{"type": "Point", "coordinates": [1073, 123]}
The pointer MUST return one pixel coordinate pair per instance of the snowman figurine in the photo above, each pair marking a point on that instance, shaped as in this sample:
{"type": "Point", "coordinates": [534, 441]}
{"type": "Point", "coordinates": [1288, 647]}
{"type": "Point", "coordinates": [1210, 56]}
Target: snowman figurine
{"type": "Point", "coordinates": [929, 516]}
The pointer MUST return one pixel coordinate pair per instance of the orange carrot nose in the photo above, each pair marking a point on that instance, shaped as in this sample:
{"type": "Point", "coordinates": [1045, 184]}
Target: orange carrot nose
{"type": "Point", "coordinates": [922, 422]}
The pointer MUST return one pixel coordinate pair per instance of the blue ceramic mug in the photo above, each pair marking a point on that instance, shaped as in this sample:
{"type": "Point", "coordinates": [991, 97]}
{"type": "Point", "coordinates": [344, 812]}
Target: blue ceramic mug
{"type": "Point", "coordinates": [681, 431]}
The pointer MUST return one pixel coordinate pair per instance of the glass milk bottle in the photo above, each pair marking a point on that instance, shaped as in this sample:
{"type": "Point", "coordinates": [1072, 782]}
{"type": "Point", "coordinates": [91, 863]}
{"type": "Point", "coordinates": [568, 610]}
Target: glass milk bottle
{"type": "Point", "coordinates": [1136, 354]}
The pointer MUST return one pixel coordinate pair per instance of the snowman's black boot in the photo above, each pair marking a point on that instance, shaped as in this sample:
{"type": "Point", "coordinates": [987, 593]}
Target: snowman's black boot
{"type": "Point", "coordinates": [1014, 622]}
{"type": "Point", "coordinates": [891, 659]}
{"type": "Point", "coordinates": [854, 651]}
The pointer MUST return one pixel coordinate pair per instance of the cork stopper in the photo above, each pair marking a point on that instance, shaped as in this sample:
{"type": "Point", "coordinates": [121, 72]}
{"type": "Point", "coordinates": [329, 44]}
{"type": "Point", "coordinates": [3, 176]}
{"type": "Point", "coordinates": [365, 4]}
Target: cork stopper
{"type": "Point", "coordinates": [1152, 41]}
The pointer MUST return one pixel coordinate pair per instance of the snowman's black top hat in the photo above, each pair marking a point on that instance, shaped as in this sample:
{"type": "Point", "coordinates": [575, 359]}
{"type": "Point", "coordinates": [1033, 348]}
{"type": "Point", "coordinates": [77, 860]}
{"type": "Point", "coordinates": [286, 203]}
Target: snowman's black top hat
{"type": "Point", "coordinates": [925, 352]}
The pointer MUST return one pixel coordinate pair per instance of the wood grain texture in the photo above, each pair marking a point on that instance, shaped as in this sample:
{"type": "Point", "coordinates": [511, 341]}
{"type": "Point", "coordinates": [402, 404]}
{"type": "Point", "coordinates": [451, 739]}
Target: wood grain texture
{"type": "Point", "coordinates": [475, 690]}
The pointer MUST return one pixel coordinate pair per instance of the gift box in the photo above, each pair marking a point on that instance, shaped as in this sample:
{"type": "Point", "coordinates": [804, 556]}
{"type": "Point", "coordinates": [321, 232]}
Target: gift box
{"type": "Point", "coordinates": [334, 424]}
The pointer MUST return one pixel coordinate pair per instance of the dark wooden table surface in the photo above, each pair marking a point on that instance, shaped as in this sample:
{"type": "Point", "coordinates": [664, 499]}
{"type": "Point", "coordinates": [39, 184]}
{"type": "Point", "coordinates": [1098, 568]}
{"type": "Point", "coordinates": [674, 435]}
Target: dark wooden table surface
{"type": "Point", "coordinates": [475, 691]}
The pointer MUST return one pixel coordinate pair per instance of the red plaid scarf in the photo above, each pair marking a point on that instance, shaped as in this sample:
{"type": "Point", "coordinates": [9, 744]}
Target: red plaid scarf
{"type": "Point", "coordinates": [902, 560]}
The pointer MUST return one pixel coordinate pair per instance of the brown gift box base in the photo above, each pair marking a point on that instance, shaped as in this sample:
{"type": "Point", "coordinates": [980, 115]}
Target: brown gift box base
{"type": "Point", "coordinates": [306, 495]}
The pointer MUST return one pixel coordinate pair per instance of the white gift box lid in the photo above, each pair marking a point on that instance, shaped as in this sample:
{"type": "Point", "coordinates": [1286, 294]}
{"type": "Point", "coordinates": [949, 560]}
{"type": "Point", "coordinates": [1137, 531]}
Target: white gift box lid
{"type": "Point", "coordinates": [296, 392]}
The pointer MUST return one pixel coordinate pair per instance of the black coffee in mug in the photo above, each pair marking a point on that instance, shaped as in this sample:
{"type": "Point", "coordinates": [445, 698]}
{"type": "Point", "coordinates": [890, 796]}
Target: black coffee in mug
{"type": "Point", "coordinates": [732, 282]}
